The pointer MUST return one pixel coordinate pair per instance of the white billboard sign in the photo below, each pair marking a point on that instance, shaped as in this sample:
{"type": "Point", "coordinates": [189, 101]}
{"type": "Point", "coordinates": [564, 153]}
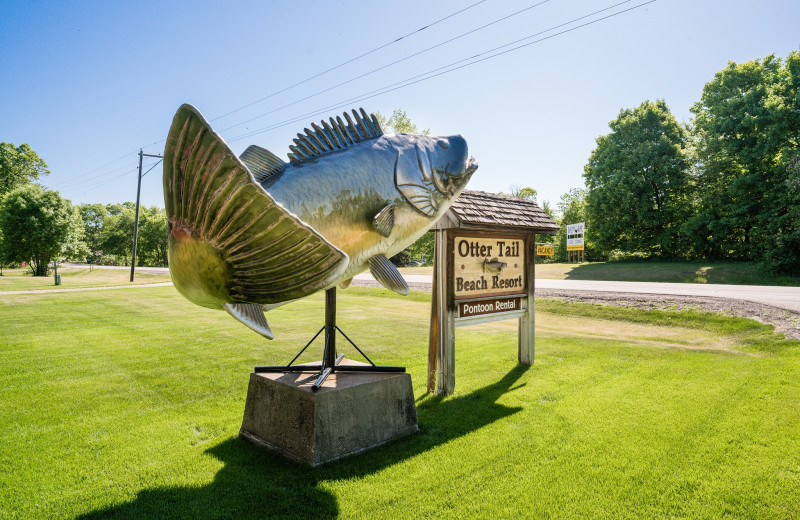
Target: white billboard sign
{"type": "Point", "coordinates": [575, 236]}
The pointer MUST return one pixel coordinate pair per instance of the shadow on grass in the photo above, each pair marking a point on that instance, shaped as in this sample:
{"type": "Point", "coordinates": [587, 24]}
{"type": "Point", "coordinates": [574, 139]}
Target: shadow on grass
{"type": "Point", "coordinates": [258, 484]}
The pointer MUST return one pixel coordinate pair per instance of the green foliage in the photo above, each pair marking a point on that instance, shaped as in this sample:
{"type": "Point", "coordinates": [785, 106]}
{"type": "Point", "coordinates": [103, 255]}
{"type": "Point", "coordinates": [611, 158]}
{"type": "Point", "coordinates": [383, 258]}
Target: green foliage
{"type": "Point", "coordinates": [39, 226]}
{"type": "Point", "coordinates": [93, 216]}
{"type": "Point", "coordinates": [726, 190]}
{"type": "Point", "coordinates": [110, 229]}
{"type": "Point", "coordinates": [399, 123]}
{"type": "Point", "coordinates": [747, 127]}
{"type": "Point", "coordinates": [3, 261]}
{"type": "Point", "coordinates": [117, 234]}
{"type": "Point", "coordinates": [422, 249]}
{"type": "Point", "coordinates": [638, 182]}
{"type": "Point", "coordinates": [151, 248]}
{"type": "Point", "coordinates": [19, 165]}
{"type": "Point", "coordinates": [531, 194]}
{"type": "Point", "coordinates": [523, 193]}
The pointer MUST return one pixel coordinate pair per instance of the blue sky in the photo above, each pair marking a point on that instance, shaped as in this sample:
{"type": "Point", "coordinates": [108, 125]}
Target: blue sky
{"type": "Point", "coordinates": [87, 84]}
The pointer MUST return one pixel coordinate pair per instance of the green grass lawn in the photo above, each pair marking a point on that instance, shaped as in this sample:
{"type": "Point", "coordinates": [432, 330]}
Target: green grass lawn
{"type": "Point", "coordinates": [127, 404]}
{"type": "Point", "coordinates": [75, 278]}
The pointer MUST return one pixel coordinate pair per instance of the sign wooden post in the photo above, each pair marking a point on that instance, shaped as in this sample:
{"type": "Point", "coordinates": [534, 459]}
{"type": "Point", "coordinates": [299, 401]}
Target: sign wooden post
{"type": "Point", "coordinates": [484, 270]}
{"type": "Point", "coordinates": [441, 348]}
{"type": "Point", "coordinates": [478, 278]}
{"type": "Point", "coordinates": [527, 333]}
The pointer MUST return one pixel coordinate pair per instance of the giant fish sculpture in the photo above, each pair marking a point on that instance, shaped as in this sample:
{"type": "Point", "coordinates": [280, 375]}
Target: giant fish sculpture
{"type": "Point", "coordinates": [249, 233]}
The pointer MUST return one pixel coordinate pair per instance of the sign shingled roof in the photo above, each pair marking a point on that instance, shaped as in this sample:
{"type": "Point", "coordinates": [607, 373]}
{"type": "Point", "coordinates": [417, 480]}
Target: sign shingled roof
{"type": "Point", "coordinates": [482, 209]}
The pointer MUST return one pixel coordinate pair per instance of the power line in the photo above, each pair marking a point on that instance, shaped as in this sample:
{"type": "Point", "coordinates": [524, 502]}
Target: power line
{"type": "Point", "coordinates": [78, 180]}
{"type": "Point", "coordinates": [94, 184]}
{"type": "Point", "coordinates": [74, 179]}
{"type": "Point", "coordinates": [451, 67]}
{"type": "Point", "coordinates": [92, 187]}
{"type": "Point", "coordinates": [462, 35]}
{"type": "Point", "coordinates": [350, 60]}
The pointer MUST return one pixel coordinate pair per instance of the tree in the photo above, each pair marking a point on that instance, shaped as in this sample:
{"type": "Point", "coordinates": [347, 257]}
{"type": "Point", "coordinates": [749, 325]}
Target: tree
{"type": "Point", "coordinates": [19, 165]}
{"type": "Point", "coordinates": [747, 128]}
{"type": "Point", "coordinates": [523, 193]}
{"type": "Point", "coordinates": [399, 122]}
{"type": "Point", "coordinates": [422, 249]}
{"type": "Point", "coordinates": [2, 253]}
{"type": "Point", "coordinates": [117, 236]}
{"type": "Point", "coordinates": [39, 226]}
{"type": "Point", "coordinates": [93, 216]}
{"type": "Point", "coordinates": [151, 247]}
{"type": "Point", "coordinates": [637, 179]}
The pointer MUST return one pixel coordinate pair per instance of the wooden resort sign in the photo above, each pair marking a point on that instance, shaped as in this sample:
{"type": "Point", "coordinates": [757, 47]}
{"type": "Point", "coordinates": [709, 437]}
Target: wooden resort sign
{"type": "Point", "coordinates": [488, 266]}
{"type": "Point", "coordinates": [484, 263]}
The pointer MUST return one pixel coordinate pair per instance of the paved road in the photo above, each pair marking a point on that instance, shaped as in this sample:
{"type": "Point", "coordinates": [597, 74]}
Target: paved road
{"type": "Point", "coordinates": [781, 297]}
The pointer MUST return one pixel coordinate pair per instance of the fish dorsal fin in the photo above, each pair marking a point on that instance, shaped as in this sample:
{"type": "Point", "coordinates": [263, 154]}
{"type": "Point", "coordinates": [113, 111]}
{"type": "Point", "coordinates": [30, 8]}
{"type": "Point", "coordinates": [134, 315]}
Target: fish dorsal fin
{"type": "Point", "coordinates": [251, 315]}
{"type": "Point", "coordinates": [387, 274]}
{"type": "Point", "coordinates": [262, 163]}
{"type": "Point", "coordinates": [384, 221]}
{"type": "Point", "coordinates": [334, 135]}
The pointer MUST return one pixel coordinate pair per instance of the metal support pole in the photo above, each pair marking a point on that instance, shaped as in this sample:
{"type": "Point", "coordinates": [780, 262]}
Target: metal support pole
{"type": "Point", "coordinates": [136, 218]}
{"type": "Point", "coordinates": [330, 328]}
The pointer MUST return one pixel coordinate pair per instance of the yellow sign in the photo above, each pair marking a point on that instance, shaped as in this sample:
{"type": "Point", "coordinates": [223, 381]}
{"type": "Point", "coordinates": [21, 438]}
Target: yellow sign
{"type": "Point", "coordinates": [544, 250]}
{"type": "Point", "coordinates": [488, 266]}
{"type": "Point", "coordinates": [578, 247]}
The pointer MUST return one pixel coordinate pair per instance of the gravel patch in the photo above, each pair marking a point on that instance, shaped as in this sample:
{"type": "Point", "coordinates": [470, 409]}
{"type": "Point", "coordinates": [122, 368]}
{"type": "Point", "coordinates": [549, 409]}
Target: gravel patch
{"type": "Point", "coordinates": [784, 321]}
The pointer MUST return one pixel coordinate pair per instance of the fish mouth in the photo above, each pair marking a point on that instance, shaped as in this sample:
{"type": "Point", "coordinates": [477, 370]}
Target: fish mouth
{"type": "Point", "coordinates": [472, 165]}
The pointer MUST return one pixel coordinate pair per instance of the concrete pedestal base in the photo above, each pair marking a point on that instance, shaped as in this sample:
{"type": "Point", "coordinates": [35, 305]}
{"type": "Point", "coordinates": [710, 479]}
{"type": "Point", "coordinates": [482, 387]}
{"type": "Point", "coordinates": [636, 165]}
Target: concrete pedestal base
{"type": "Point", "coordinates": [350, 413]}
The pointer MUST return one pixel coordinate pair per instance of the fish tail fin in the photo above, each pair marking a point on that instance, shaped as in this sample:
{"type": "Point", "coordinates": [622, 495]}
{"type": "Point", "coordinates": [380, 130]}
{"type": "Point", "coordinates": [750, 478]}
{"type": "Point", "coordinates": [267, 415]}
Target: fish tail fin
{"type": "Point", "coordinates": [229, 241]}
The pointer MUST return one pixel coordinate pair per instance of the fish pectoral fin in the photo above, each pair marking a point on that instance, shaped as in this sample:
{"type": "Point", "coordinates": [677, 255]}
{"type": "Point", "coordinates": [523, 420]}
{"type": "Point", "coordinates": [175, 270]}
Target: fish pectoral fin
{"type": "Point", "coordinates": [345, 284]}
{"type": "Point", "coordinates": [387, 274]}
{"type": "Point", "coordinates": [263, 164]}
{"type": "Point", "coordinates": [384, 221]}
{"type": "Point", "coordinates": [251, 315]}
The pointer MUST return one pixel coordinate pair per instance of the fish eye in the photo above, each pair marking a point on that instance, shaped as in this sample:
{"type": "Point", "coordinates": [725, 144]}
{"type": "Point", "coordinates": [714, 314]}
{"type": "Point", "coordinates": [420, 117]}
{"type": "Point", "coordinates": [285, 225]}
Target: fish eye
{"type": "Point", "coordinates": [444, 144]}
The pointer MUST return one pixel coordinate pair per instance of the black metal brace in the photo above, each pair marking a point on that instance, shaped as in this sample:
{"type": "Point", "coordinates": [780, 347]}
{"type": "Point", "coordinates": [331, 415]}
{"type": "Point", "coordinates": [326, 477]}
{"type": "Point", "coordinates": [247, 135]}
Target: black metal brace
{"type": "Point", "coordinates": [330, 361]}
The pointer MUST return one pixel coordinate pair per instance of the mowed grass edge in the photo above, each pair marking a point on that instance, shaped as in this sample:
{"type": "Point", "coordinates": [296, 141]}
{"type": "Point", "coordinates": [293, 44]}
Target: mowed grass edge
{"type": "Point", "coordinates": [127, 404]}
{"type": "Point", "coordinates": [76, 278]}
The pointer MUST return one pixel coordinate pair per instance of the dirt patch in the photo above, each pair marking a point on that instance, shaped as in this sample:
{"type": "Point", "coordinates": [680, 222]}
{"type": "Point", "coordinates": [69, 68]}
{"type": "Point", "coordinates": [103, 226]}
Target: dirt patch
{"type": "Point", "coordinates": [784, 321]}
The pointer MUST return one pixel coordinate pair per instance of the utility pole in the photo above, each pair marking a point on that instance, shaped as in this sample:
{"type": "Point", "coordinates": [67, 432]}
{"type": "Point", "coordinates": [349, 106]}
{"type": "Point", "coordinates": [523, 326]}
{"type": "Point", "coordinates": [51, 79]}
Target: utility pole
{"type": "Point", "coordinates": [136, 218]}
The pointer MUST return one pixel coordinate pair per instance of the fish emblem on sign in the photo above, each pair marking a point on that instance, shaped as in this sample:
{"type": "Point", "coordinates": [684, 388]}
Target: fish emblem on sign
{"type": "Point", "coordinates": [493, 266]}
{"type": "Point", "coordinates": [250, 233]}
